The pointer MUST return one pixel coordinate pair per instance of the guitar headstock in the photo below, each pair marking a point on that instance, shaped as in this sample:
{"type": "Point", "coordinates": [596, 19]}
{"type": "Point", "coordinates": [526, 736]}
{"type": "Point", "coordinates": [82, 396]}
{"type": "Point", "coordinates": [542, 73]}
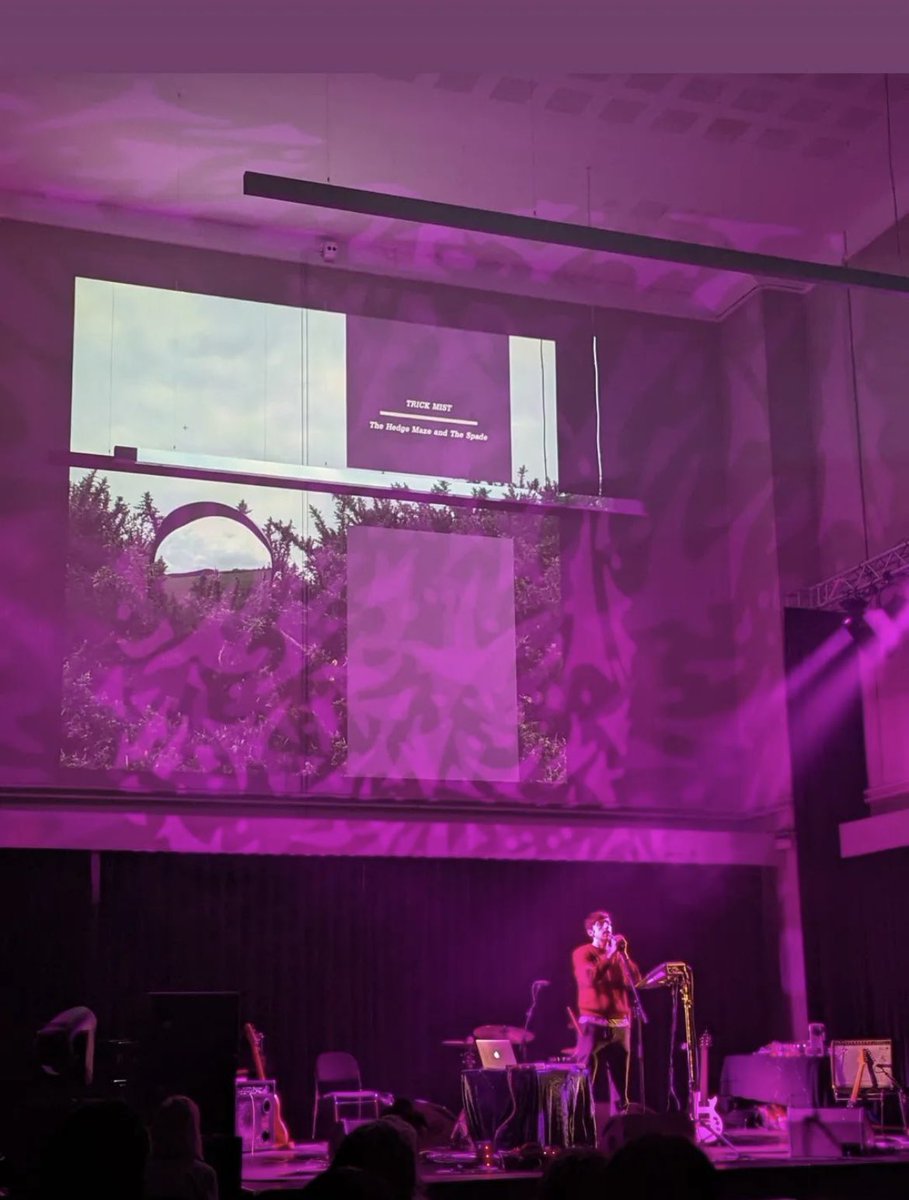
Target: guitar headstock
{"type": "Point", "coordinates": [706, 1039]}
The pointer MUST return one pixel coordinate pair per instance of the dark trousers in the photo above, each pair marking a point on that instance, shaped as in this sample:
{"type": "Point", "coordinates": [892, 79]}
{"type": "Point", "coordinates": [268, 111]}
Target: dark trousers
{"type": "Point", "coordinates": [609, 1046]}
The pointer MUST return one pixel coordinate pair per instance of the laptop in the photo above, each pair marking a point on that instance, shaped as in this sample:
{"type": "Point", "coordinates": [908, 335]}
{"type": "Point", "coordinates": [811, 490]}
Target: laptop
{"type": "Point", "coordinates": [496, 1053]}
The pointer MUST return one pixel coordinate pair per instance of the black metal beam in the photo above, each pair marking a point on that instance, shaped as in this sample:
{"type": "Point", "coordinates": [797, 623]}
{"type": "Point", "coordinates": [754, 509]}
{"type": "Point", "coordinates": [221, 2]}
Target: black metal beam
{"type": "Point", "coordinates": [129, 463]}
{"type": "Point", "coordinates": [562, 233]}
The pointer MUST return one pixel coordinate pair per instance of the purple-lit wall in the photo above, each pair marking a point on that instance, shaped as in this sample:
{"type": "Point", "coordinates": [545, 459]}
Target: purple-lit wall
{"type": "Point", "coordinates": [658, 613]}
{"type": "Point", "coordinates": [860, 483]}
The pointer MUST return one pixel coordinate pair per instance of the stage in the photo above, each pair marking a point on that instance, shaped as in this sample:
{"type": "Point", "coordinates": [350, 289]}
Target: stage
{"type": "Point", "coordinates": [758, 1166]}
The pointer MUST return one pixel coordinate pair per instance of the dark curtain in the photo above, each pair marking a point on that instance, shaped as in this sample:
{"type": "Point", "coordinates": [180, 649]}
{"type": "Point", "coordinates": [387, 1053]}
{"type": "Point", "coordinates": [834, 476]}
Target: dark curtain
{"type": "Point", "coordinates": [853, 910]}
{"type": "Point", "coordinates": [389, 957]}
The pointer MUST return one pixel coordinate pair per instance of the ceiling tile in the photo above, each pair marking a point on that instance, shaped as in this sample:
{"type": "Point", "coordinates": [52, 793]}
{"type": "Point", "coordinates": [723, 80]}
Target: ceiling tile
{"type": "Point", "coordinates": [725, 129]}
{"type": "Point", "coordinates": [755, 99]}
{"type": "Point", "coordinates": [825, 147]}
{"type": "Point", "coordinates": [703, 88]}
{"type": "Point", "coordinates": [456, 81]}
{"type": "Point", "coordinates": [857, 119]}
{"type": "Point", "coordinates": [568, 100]}
{"type": "Point", "coordinates": [675, 120]}
{"type": "Point", "coordinates": [776, 139]}
{"type": "Point", "coordinates": [807, 108]}
{"type": "Point", "coordinates": [648, 83]}
{"type": "Point", "coordinates": [515, 91]}
{"type": "Point", "coordinates": [623, 112]}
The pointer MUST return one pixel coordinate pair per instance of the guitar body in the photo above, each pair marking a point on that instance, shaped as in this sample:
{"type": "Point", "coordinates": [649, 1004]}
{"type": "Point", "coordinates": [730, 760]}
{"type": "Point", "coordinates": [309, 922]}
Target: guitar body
{"type": "Point", "coordinates": [708, 1124]}
{"type": "Point", "coordinates": [283, 1140]}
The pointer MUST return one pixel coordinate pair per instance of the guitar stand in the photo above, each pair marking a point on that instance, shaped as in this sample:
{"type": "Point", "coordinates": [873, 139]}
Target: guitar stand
{"type": "Point", "coordinates": [704, 1133]}
{"type": "Point", "coordinates": [711, 1137]}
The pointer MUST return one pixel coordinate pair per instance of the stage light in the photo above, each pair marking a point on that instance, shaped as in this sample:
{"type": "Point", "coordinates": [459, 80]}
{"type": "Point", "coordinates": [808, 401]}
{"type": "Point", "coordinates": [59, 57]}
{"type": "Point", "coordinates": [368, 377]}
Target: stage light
{"type": "Point", "coordinates": [856, 625]}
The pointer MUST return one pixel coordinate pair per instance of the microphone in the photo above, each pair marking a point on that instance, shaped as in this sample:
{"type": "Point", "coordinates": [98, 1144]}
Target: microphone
{"type": "Point", "coordinates": [540, 983]}
{"type": "Point", "coordinates": [621, 943]}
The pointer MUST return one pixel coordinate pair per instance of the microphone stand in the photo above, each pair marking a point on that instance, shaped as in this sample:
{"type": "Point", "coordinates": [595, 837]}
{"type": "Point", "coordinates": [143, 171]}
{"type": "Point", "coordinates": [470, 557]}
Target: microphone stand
{"type": "Point", "coordinates": [640, 1020]}
{"type": "Point", "coordinates": [528, 1017]}
{"type": "Point", "coordinates": [897, 1087]}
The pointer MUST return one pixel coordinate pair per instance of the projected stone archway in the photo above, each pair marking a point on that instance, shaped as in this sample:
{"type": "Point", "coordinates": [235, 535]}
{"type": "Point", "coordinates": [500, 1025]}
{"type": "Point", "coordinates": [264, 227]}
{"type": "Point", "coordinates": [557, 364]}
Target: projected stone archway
{"type": "Point", "coordinates": [187, 514]}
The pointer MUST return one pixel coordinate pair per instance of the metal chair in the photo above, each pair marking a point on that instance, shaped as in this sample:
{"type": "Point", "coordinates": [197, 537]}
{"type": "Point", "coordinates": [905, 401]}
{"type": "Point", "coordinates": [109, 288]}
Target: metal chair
{"type": "Point", "coordinates": [338, 1082]}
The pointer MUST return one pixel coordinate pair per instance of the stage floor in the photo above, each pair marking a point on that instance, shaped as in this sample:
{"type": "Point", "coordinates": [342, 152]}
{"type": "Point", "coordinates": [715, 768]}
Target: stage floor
{"type": "Point", "coordinates": [758, 1166]}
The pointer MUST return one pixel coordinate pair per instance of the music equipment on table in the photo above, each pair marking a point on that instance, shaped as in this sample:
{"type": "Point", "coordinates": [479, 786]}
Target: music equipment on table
{"type": "Point", "coordinates": [708, 1124]}
{"type": "Point", "coordinates": [468, 1048]}
{"type": "Point", "coordinates": [499, 1033]}
{"type": "Point", "coordinates": [829, 1132]}
{"type": "Point", "coordinates": [668, 974]}
{"type": "Point", "coordinates": [256, 1110]}
{"type": "Point", "coordinates": [860, 1065]}
{"type": "Point", "coordinates": [256, 1041]}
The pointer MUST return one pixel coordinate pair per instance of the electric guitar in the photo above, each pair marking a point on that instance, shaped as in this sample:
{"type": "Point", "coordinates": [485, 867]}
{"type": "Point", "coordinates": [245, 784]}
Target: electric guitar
{"type": "Point", "coordinates": [256, 1040]}
{"type": "Point", "coordinates": [865, 1059]}
{"type": "Point", "coordinates": [708, 1124]}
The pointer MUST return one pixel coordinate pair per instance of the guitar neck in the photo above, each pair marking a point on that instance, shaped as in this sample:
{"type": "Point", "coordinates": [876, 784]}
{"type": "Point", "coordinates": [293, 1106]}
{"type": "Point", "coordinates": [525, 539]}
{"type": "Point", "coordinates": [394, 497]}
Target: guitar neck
{"type": "Point", "coordinates": [255, 1046]}
{"type": "Point", "coordinates": [857, 1082]}
{"type": "Point", "coordinates": [704, 1064]}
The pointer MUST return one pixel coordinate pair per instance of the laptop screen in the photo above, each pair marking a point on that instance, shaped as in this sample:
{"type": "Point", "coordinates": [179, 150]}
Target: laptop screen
{"type": "Point", "coordinates": [496, 1053]}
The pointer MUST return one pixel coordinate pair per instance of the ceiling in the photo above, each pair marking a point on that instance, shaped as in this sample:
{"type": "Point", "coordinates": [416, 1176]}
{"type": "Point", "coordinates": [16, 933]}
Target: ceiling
{"type": "Point", "coordinates": [804, 166]}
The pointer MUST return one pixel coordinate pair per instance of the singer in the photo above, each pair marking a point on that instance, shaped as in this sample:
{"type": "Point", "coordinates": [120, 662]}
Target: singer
{"type": "Point", "coordinates": [602, 970]}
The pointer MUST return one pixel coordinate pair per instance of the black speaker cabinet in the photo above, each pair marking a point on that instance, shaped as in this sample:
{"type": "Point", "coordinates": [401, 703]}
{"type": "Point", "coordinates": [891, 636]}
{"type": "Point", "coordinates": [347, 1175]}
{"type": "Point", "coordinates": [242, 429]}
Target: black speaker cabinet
{"type": "Point", "coordinates": [625, 1128]}
{"type": "Point", "coordinates": [190, 1047]}
{"type": "Point", "coordinates": [829, 1132]}
{"type": "Point", "coordinates": [256, 1114]}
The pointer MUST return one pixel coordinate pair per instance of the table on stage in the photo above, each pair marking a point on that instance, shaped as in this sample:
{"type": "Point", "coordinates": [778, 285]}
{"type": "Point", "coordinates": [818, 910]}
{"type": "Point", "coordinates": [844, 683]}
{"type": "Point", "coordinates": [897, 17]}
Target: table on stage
{"type": "Point", "coordinates": [549, 1103]}
{"type": "Point", "coordinates": [798, 1081]}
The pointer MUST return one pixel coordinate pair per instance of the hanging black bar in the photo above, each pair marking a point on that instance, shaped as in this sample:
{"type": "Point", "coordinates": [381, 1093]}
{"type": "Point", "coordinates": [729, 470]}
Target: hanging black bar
{"type": "Point", "coordinates": [561, 233]}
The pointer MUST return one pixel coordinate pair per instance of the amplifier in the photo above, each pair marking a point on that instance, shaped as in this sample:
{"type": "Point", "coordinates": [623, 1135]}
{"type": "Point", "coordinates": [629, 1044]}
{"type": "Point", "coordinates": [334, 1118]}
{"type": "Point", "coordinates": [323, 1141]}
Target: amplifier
{"type": "Point", "coordinates": [847, 1056]}
{"type": "Point", "coordinates": [255, 1114]}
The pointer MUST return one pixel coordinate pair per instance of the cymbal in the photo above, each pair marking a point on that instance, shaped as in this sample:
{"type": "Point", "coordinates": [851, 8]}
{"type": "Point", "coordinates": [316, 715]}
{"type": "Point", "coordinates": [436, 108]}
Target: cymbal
{"type": "Point", "coordinates": [509, 1033]}
{"type": "Point", "coordinates": [462, 1042]}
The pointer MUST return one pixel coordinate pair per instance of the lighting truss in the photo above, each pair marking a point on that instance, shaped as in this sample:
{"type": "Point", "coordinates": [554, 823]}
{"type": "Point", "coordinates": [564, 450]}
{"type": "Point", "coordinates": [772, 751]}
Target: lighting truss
{"type": "Point", "coordinates": [863, 582]}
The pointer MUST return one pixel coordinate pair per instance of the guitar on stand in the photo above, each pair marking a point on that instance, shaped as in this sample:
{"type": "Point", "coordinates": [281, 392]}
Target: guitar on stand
{"type": "Point", "coordinates": [708, 1124]}
{"type": "Point", "coordinates": [283, 1140]}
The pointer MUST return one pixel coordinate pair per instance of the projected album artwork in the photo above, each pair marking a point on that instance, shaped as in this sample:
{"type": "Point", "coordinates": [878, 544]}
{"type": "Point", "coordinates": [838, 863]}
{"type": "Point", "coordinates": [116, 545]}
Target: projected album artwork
{"type": "Point", "coordinates": [230, 638]}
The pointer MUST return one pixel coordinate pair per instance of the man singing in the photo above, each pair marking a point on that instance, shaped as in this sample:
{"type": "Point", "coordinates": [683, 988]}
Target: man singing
{"type": "Point", "coordinates": [604, 973]}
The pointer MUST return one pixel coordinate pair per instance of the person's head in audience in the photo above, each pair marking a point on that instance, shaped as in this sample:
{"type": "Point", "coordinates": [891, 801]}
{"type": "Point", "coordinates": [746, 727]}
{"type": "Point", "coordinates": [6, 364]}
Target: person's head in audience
{"type": "Point", "coordinates": [347, 1183]}
{"type": "Point", "coordinates": [175, 1130]}
{"type": "Point", "coordinates": [98, 1153]}
{"type": "Point", "coordinates": [385, 1150]}
{"type": "Point", "coordinates": [577, 1174]}
{"type": "Point", "coordinates": [661, 1165]}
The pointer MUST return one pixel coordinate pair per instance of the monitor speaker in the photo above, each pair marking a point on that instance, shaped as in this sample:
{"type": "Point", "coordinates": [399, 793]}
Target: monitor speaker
{"type": "Point", "coordinates": [829, 1132]}
{"type": "Point", "coordinates": [190, 1047]}
{"type": "Point", "coordinates": [255, 1114]}
{"type": "Point", "coordinates": [625, 1128]}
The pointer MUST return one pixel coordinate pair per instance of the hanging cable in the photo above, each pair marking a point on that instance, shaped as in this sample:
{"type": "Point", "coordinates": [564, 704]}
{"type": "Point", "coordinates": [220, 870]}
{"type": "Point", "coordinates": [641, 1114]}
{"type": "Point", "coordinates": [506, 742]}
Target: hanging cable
{"type": "Point", "coordinates": [896, 210]}
{"type": "Point", "coordinates": [596, 369]}
{"type": "Point", "coordinates": [543, 403]}
{"type": "Point", "coordinates": [858, 422]}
